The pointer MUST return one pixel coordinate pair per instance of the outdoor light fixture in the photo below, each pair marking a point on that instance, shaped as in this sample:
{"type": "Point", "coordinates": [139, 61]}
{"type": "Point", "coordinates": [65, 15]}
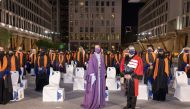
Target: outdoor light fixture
{"type": "Point", "coordinates": [149, 33]}
{"type": "Point", "coordinates": [81, 3]}
{"type": "Point", "coordinates": [3, 24]}
{"type": "Point", "coordinates": [46, 31]}
{"type": "Point", "coordinates": [10, 26]}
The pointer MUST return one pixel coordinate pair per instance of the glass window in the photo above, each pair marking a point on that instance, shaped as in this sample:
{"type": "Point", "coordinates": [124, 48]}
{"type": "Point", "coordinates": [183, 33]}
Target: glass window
{"type": "Point", "coordinates": [102, 3]}
{"type": "Point", "coordinates": [86, 3]}
{"type": "Point", "coordinates": [113, 3]}
{"type": "Point", "coordinates": [108, 3]}
{"type": "Point", "coordinates": [91, 29]}
{"type": "Point", "coordinates": [86, 29]}
{"type": "Point", "coordinates": [81, 29]}
{"type": "Point", "coordinates": [97, 3]}
{"type": "Point", "coordinates": [102, 10]}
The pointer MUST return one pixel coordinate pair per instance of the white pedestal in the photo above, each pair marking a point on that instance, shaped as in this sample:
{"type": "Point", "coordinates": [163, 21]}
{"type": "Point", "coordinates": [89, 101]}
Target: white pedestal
{"type": "Point", "coordinates": [53, 94]}
{"type": "Point", "coordinates": [68, 77]}
{"type": "Point", "coordinates": [143, 92]}
{"type": "Point", "coordinates": [18, 93]}
{"type": "Point", "coordinates": [79, 84]}
{"type": "Point", "coordinates": [24, 84]}
{"type": "Point", "coordinates": [113, 84]}
{"type": "Point", "coordinates": [182, 88]}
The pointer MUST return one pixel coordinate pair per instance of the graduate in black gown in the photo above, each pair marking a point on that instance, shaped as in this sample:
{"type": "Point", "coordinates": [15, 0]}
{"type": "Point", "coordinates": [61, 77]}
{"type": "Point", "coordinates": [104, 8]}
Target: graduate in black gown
{"type": "Point", "coordinates": [184, 61]}
{"type": "Point", "coordinates": [42, 74]}
{"type": "Point", "coordinates": [5, 79]}
{"type": "Point", "coordinates": [81, 57]}
{"type": "Point", "coordinates": [160, 75]}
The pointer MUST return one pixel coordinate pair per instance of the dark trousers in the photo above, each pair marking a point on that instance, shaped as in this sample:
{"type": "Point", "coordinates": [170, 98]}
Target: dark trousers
{"type": "Point", "coordinates": [131, 102]}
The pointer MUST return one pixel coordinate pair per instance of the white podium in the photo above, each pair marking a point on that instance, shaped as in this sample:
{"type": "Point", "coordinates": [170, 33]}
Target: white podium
{"type": "Point", "coordinates": [174, 74]}
{"type": "Point", "coordinates": [143, 92]}
{"type": "Point", "coordinates": [18, 92]}
{"type": "Point", "coordinates": [52, 92]}
{"type": "Point", "coordinates": [182, 88]}
{"type": "Point", "coordinates": [111, 82]}
{"type": "Point", "coordinates": [24, 82]}
{"type": "Point", "coordinates": [79, 79]}
{"type": "Point", "coordinates": [68, 76]}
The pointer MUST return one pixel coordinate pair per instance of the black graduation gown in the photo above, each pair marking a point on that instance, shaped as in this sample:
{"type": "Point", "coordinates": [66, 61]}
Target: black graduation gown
{"type": "Point", "coordinates": [6, 90]}
{"type": "Point", "coordinates": [147, 71]}
{"type": "Point", "coordinates": [42, 78]}
{"type": "Point", "coordinates": [160, 84]}
{"type": "Point", "coordinates": [80, 63]}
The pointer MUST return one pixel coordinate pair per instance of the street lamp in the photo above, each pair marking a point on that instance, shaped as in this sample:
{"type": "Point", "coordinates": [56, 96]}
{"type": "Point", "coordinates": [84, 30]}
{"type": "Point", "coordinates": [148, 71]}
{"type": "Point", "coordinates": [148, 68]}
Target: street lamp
{"type": "Point", "coordinates": [149, 33]}
{"type": "Point", "coordinates": [46, 32]}
{"type": "Point", "coordinates": [3, 24]}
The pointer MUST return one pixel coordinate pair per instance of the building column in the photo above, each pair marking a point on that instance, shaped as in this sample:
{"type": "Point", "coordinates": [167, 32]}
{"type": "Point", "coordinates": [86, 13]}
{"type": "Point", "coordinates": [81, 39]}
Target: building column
{"type": "Point", "coordinates": [188, 40]}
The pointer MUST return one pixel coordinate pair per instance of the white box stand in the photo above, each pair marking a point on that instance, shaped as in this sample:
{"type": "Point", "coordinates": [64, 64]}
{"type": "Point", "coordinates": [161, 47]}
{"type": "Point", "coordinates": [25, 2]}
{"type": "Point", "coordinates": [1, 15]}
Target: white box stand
{"type": "Point", "coordinates": [175, 74]}
{"type": "Point", "coordinates": [52, 92]}
{"type": "Point", "coordinates": [143, 92]}
{"type": "Point", "coordinates": [79, 72]}
{"type": "Point", "coordinates": [182, 88]}
{"type": "Point", "coordinates": [18, 92]}
{"type": "Point", "coordinates": [79, 79]}
{"type": "Point", "coordinates": [79, 84]}
{"type": "Point", "coordinates": [24, 84]}
{"type": "Point", "coordinates": [111, 72]}
{"type": "Point", "coordinates": [68, 77]}
{"type": "Point", "coordinates": [113, 84]}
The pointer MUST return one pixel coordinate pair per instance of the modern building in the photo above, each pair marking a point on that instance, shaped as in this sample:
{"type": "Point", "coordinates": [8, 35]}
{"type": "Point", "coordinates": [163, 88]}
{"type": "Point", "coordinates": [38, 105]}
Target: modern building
{"type": "Point", "coordinates": [60, 19]}
{"type": "Point", "coordinates": [164, 23]}
{"type": "Point", "coordinates": [94, 22]}
{"type": "Point", "coordinates": [27, 20]}
{"type": "Point", "coordinates": [64, 21]}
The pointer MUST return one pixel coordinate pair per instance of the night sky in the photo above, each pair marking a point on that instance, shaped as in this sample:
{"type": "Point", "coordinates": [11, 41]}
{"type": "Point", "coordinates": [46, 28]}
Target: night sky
{"type": "Point", "coordinates": [130, 18]}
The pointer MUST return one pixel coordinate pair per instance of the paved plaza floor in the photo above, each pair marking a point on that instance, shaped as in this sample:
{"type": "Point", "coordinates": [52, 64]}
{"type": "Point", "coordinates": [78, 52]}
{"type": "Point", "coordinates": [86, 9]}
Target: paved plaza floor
{"type": "Point", "coordinates": [33, 100]}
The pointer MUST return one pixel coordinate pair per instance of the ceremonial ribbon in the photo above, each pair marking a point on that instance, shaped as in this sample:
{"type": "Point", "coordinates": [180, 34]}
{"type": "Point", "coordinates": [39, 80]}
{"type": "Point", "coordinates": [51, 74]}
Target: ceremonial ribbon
{"type": "Point", "coordinates": [45, 61]}
{"type": "Point", "coordinates": [186, 61]}
{"type": "Point", "coordinates": [13, 64]}
{"type": "Point", "coordinates": [21, 58]}
{"type": "Point", "coordinates": [5, 63]}
{"type": "Point", "coordinates": [68, 56]}
{"type": "Point", "coordinates": [147, 58]}
{"type": "Point", "coordinates": [61, 58]}
{"type": "Point", "coordinates": [166, 69]}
